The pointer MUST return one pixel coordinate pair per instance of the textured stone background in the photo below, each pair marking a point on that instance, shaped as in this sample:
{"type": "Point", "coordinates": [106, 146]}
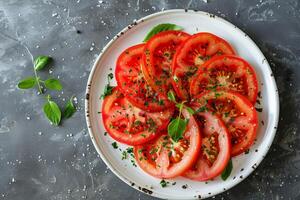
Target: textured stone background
{"type": "Point", "coordinates": [38, 161]}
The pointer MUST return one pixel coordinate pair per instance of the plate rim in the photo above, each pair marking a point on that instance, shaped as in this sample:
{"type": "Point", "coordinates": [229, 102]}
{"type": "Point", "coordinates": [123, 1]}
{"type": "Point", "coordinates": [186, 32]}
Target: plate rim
{"type": "Point", "coordinates": [148, 17]}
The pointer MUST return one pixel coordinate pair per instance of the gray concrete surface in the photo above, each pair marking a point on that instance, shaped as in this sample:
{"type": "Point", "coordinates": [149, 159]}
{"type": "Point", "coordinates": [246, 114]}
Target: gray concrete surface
{"type": "Point", "coordinates": [38, 161]}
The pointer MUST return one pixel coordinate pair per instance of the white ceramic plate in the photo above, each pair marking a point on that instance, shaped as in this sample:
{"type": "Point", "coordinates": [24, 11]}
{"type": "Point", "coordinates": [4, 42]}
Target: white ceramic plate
{"type": "Point", "coordinates": [192, 21]}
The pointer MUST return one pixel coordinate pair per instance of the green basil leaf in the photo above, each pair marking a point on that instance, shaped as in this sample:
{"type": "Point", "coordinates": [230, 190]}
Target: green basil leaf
{"type": "Point", "coordinates": [160, 28]}
{"type": "Point", "coordinates": [176, 128]}
{"type": "Point", "coordinates": [190, 110]}
{"type": "Point", "coordinates": [27, 83]}
{"type": "Point", "coordinates": [41, 61]}
{"type": "Point", "coordinates": [53, 84]}
{"type": "Point", "coordinates": [52, 112]}
{"type": "Point", "coordinates": [107, 90]}
{"type": "Point", "coordinates": [69, 109]}
{"type": "Point", "coordinates": [171, 96]}
{"type": "Point", "coordinates": [227, 171]}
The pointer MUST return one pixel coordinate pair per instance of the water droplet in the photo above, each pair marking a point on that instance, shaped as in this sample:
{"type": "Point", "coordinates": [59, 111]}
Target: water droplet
{"type": "Point", "coordinates": [54, 14]}
{"type": "Point", "coordinates": [40, 133]}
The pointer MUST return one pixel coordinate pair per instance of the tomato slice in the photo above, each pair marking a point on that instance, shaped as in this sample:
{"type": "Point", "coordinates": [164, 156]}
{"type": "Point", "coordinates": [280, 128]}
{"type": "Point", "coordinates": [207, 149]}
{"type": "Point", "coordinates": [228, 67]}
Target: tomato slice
{"type": "Point", "coordinates": [129, 124]}
{"type": "Point", "coordinates": [237, 112]}
{"type": "Point", "coordinates": [157, 59]}
{"type": "Point", "coordinates": [132, 83]}
{"type": "Point", "coordinates": [192, 54]}
{"type": "Point", "coordinates": [226, 72]}
{"type": "Point", "coordinates": [215, 148]}
{"type": "Point", "coordinates": [164, 158]}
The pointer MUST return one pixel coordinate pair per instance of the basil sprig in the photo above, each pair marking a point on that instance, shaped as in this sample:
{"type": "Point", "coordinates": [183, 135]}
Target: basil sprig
{"type": "Point", "coordinates": [50, 108]}
{"type": "Point", "coordinates": [160, 28]}
{"type": "Point", "coordinates": [178, 125]}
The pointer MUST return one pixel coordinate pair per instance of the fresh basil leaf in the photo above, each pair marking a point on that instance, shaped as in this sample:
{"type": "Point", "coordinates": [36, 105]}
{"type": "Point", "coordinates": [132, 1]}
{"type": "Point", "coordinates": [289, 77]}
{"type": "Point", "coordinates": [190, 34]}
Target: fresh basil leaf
{"type": "Point", "coordinates": [176, 128]}
{"type": "Point", "coordinates": [69, 109]}
{"type": "Point", "coordinates": [53, 84]}
{"type": "Point", "coordinates": [171, 96]}
{"type": "Point", "coordinates": [41, 61]}
{"type": "Point", "coordinates": [160, 28]}
{"type": "Point", "coordinates": [27, 83]}
{"type": "Point", "coordinates": [107, 90]}
{"type": "Point", "coordinates": [227, 171]}
{"type": "Point", "coordinates": [52, 112]}
{"type": "Point", "coordinates": [190, 110]}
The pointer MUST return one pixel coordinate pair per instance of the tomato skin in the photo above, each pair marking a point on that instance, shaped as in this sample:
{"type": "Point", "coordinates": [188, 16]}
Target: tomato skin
{"type": "Point", "coordinates": [226, 72]}
{"type": "Point", "coordinates": [132, 83]}
{"type": "Point", "coordinates": [157, 59]}
{"type": "Point", "coordinates": [162, 167]}
{"type": "Point", "coordinates": [237, 112]}
{"type": "Point", "coordinates": [193, 53]}
{"type": "Point", "coordinates": [120, 117]}
{"type": "Point", "coordinates": [202, 171]}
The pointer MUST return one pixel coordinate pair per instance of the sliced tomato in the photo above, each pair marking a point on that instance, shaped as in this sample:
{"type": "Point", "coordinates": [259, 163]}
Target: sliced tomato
{"type": "Point", "coordinates": [164, 158]}
{"type": "Point", "coordinates": [157, 59]}
{"type": "Point", "coordinates": [226, 72]}
{"type": "Point", "coordinates": [129, 124]}
{"type": "Point", "coordinates": [215, 148]}
{"type": "Point", "coordinates": [237, 112]}
{"type": "Point", "coordinates": [192, 54]}
{"type": "Point", "coordinates": [132, 83]}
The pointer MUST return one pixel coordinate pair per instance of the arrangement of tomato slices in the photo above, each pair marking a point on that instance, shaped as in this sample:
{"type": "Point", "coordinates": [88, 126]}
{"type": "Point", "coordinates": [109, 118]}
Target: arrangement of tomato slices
{"type": "Point", "coordinates": [185, 103]}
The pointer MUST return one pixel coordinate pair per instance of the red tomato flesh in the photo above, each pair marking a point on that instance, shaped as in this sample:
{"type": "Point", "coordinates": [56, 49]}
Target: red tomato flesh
{"type": "Point", "coordinates": [236, 111]}
{"type": "Point", "coordinates": [129, 124]}
{"type": "Point", "coordinates": [215, 148]}
{"type": "Point", "coordinates": [164, 158]}
{"type": "Point", "coordinates": [132, 82]}
{"type": "Point", "coordinates": [192, 54]}
{"type": "Point", "coordinates": [157, 59]}
{"type": "Point", "coordinates": [226, 72]}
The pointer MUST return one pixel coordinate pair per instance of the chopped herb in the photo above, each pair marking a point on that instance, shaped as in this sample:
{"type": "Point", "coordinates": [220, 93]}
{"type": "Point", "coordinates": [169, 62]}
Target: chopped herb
{"type": "Point", "coordinates": [105, 133]}
{"type": "Point", "coordinates": [201, 109]}
{"type": "Point", "coordinates": [124, 155]}
{"type": "Point", "coordinates": [151, 125]}
{"type": "Point", "coordinates": [164, 183]}
{"type": "Point", "coordinates": [158, 82]}
{"type": "Point", "coordinates": [114, 145]}
{"type": "Point", "coordinates": [129, 150]}
{"type": "Point", "coordinates": [161, 102]}
{"type": "Point", "coordinates": [217, 94]}
{"type": "Point", "coordinates": [110, 76]}
{"type": "Point", "coordinates": [108, 88]}
{"type": "Point", "coordinates": [226, 114]}
{"type": "Point", "coordinates": [137, 123]}
{"type": "Point", "coordinates": [133, 163]}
